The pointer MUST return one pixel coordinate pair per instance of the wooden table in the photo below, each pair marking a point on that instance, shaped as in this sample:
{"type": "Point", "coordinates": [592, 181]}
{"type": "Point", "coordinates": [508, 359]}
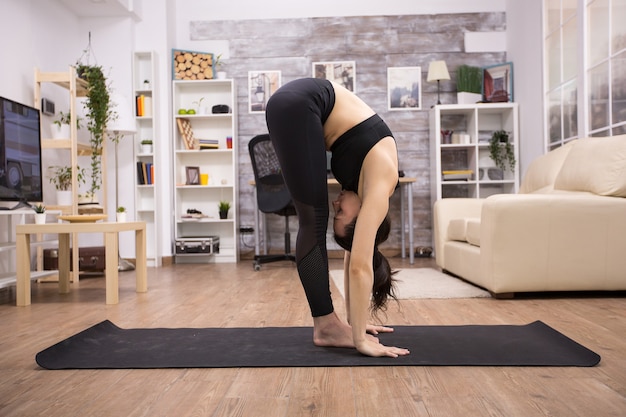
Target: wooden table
{"type": "Point", "coordinates": [64, 230]}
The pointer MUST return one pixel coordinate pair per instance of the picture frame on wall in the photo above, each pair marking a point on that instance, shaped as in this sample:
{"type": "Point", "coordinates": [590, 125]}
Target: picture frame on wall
{"type": "Point", "coordinates": [498, 83]}
{"type": "Point", "coordinates": [193, 175]}
{"type": "Point", "coordinates": [404, 88]}
{"type": "Point", "coordinates": [261, 86]}
{"type": "Point", "coordinates": [340, 72]}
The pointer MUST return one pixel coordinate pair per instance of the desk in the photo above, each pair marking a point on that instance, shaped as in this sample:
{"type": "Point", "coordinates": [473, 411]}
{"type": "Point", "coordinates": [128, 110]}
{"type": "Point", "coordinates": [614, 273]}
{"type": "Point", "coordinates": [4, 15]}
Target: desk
{"type": "Point", "coordinates": [64, 230]}
{"type": "Point", "coordinates": [406, 184]}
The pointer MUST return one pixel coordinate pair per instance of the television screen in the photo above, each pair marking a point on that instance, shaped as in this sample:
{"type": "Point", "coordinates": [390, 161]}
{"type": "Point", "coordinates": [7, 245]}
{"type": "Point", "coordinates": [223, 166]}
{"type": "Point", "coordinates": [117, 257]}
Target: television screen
{"type": "Point", "coordinates": [20, 154]}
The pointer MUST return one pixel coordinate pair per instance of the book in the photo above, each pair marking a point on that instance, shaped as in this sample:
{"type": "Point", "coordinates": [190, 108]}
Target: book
{"type": "Point", "coordinates": [457, 174]}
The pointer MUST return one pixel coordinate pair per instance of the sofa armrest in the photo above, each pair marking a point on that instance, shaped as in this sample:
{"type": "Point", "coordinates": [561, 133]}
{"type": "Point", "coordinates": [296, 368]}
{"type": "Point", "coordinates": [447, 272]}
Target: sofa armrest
{"type": "Point", "coordinates": [530, 236]}
{"type": "Point", "coordinates": [444, 211]}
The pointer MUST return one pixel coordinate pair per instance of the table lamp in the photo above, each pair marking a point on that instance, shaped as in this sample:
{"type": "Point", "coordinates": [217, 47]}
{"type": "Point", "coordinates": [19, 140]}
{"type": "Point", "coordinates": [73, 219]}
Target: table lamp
{"type": "Point", "coordinates": [437, 71]}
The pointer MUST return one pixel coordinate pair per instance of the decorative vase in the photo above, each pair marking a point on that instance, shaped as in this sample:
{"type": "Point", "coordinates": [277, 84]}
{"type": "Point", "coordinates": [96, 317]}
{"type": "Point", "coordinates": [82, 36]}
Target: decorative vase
{"type": "Point", "coordinates": [468, 98]}
{"type": "Point", "coordinates": [121, 217]}
{"type": "Point", "coordinates": [64, 197]}
{"type": "Point", "coordinates": [40, 218]}
{"type": "Point", "coordinates": [221, 75]}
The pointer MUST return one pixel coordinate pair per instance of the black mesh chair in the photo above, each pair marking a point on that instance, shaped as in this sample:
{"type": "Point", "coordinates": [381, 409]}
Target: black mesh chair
{"type": "Point", "coordinates": [271, 192]}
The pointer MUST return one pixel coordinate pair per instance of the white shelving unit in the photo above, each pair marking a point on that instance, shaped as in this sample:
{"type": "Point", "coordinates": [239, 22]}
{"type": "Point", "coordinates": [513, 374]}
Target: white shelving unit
{"type": "Point", "coordinates": [147, 195]}
{"type": "Point", "coordinates": [478, 121]}
{"type": "Point", "coordinates": [8, 220]}
{"type": "Point", "coordinates": [220, 164]}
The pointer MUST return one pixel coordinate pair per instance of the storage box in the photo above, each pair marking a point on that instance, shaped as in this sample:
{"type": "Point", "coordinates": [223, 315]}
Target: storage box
{"type": "Point", "coordinates": [89, 259]}
{"type": "Point", "coordinates": [204, 246]}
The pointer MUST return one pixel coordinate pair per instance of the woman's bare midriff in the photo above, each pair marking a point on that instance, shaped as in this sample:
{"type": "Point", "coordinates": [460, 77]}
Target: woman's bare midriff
{"type": "Point", "coordinates": [348, 112]}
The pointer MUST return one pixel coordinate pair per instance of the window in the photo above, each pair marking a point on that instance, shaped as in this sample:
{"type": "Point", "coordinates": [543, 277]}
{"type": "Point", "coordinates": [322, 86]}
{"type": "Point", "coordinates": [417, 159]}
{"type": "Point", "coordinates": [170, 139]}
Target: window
{"type": "Point", "coordinates": [601, 94]}
{"type": "Point", "coordinates": [606, 67]}
{"type": "Point", "coordinates": [561, 56]}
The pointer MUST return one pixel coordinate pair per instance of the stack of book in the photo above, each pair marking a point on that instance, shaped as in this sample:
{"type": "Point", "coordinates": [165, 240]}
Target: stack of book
{"type": "Point", "coordinates": [457, 174]}
{"type": "Point", "coordinates": [208, 144]}
{"type": "Point", "coordinates": [143, 106]}
{"type": "Point", "coordinates": [145, 173]}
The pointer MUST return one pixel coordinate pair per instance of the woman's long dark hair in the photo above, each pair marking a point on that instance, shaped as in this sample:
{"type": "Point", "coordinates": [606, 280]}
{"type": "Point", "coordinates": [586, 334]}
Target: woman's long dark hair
{"type": "Point", "coordinates": [384, 283]}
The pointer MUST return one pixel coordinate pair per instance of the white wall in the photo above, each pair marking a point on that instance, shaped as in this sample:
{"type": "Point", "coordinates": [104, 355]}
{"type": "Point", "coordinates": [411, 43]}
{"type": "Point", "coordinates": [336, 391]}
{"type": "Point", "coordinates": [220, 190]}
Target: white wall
{"type": "Point", "coordinates": [524, 49]}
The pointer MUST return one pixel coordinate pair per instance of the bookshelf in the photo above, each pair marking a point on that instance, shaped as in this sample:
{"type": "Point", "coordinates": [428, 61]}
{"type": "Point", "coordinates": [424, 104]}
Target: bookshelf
{"type": "Point", "coordinates": [147, 194]}
{"type": "Point", "coordinates": [460, 162]}
{"type": "Point", "coordinates": [205, 171]}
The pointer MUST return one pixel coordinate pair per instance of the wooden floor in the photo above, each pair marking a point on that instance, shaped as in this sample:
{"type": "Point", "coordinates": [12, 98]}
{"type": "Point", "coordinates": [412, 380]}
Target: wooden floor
{"type": "Point", "coordinates": [233, 295]}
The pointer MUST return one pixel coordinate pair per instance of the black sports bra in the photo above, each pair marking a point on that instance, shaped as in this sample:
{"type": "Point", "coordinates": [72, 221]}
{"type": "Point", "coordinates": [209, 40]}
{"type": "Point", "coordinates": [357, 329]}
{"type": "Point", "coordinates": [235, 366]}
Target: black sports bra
{"type": "Point", "coordinates": [351, 148]}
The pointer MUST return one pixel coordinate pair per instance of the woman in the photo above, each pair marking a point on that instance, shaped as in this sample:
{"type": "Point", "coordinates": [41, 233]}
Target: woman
{"type": "Point", "coordinates": [305, 118]}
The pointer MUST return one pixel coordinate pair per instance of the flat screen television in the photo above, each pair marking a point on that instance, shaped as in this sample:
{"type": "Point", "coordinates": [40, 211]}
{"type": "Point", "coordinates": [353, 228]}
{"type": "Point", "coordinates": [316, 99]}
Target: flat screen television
{"type": "Point", "coordinates": [20, 155]}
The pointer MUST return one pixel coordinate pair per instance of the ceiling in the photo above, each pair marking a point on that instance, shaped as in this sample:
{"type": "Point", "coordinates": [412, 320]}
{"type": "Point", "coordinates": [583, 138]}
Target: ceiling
{"type": "Point", "coordinates": [104, 8]}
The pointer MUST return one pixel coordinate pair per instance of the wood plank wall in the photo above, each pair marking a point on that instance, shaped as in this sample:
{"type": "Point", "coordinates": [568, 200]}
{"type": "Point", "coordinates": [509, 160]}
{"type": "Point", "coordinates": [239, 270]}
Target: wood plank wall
{"type": "Point", "coordinates": [374, 43]}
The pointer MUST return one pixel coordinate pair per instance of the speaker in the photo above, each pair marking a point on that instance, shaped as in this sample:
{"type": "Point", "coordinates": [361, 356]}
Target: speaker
{"type": "Point", "coordinates": [220, 108]}
{"type": "Point", "coordinates": [47, 107]}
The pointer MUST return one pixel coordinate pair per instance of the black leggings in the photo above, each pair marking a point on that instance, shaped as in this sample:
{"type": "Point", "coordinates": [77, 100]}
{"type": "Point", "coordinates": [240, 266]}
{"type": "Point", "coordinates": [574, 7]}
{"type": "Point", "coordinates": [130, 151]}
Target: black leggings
{"type": "Point", "coordinates": [295, 115]}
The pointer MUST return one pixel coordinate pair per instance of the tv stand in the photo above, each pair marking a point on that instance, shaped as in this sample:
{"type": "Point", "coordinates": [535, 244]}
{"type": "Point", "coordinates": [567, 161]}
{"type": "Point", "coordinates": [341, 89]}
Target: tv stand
{"type": "Point", "coordinates": [22, 203]}
{"type": "Point", "coordinates": [9, 219]}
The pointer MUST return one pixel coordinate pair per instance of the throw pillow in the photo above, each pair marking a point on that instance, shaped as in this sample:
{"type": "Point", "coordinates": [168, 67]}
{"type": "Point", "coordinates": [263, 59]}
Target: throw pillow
{"type": "Point", "coordinates": [596, 165]}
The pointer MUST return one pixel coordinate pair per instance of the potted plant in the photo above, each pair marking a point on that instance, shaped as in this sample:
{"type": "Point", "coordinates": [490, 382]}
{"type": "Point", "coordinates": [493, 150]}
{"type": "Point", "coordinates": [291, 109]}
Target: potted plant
{"type": "Point", "coordinates": [468, 84]}
{"type": "Point", "coordinates": [61, 126]}
{"type": "Point", "coordinates": [501, 150]}
{"type": "Point", "coordinates": [217, 65]}
{"type": "Point", "coordinates": [199, 108]}
{"type": "Point", "coordinates": [40, 213]}
{"type": "Point", "coordinates": [61, 177]}
{"type": "Point", "coordinates": [99, 113]}
{"type": "Point", "coordinates": [224, 206]}
{"type": "Point", "coordinates": [146, 146]}
{"type": "Point", "coordinates": [121, 214]}
{"type": "Point", "coordinates": [146, 84]}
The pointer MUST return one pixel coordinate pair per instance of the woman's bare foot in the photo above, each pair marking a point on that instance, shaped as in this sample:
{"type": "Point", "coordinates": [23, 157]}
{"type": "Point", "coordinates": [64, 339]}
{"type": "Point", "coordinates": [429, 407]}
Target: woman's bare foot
{"type": "Point", "coordinates": [330, 331]}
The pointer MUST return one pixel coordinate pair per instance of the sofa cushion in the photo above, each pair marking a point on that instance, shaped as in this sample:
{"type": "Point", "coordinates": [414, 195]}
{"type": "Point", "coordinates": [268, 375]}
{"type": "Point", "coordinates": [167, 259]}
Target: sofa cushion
{"type": "Point", "coordinates": [596, 165]}
{"type": "Point", "coordinates": [542, 171]}
{"type": "Point", "coordinates": [473, 232]}
{"type": "Point", "coordinates": [465, 230]}
{"type": "Point", "coordinates": [457, 230]}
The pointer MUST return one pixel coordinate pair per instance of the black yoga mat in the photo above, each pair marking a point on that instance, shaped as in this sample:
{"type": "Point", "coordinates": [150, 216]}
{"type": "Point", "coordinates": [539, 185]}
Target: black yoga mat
{"type": "Point", "coordinates": [106, 346]}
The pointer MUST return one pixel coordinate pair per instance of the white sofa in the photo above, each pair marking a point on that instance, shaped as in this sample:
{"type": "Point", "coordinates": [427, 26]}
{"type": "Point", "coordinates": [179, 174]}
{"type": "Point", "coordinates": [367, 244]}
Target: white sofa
{"type": "Point", "coordinates": [564, 231]}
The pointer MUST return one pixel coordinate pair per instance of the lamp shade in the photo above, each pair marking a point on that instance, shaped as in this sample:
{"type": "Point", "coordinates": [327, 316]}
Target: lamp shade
{"type": "Point", "coordinates": [437, 70]}
{"type": "Point", "coordinates": [124, 123]}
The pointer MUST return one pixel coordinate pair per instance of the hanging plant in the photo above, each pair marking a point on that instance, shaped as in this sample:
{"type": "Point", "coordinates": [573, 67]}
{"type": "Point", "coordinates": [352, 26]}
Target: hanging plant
{"type": "Point", "coordinates": [99, 114]}
{"type": "Point", "coordinates": [501, 150]}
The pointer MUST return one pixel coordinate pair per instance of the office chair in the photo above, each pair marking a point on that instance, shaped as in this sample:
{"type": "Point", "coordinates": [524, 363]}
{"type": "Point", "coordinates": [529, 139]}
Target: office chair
{"type": "Point", "coordinates": [271, 192]}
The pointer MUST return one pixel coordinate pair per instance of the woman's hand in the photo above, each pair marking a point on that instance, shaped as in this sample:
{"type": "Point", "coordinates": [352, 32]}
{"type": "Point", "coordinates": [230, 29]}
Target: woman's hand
{"type": "Point", "coordinates": [374, 329]}
{"type": "Point", "coordinates": [369, 348]}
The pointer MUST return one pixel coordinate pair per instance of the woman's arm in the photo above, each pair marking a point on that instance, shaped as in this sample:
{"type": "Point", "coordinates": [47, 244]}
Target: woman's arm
{"type": "Point", "coordinates": [360, 279]}
{"type": "Point", "coordinates": [346, 282]}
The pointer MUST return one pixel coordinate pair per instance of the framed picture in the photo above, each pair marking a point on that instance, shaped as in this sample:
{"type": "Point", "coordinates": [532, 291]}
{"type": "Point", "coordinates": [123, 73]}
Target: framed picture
{"type": "Point", "coordinates": [498, 83]}
{"type": "Point", "coordinates": [192, 65]}
{"type": "Point", "coordinates": [193, 175]}
{"type": "Point", "coordinates": [404, 88]}
{"type": "Point", "coordinates": [261, 86]}
{"type": "Point", "coordinates": [341, 72]}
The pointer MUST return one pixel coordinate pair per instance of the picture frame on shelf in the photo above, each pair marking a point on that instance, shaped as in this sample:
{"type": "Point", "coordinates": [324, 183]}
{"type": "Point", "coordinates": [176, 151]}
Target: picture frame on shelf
{"type": "Point", "coordinates": [498, 83]}
{"type": "Point", "coordinates": [193, 175]}
{"type": "Point", "coordinates": [261, 86]}
{"type": "Point", "coordinates": [404, 88]}
{"type": "Point", "coordinates": [340, 72]}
